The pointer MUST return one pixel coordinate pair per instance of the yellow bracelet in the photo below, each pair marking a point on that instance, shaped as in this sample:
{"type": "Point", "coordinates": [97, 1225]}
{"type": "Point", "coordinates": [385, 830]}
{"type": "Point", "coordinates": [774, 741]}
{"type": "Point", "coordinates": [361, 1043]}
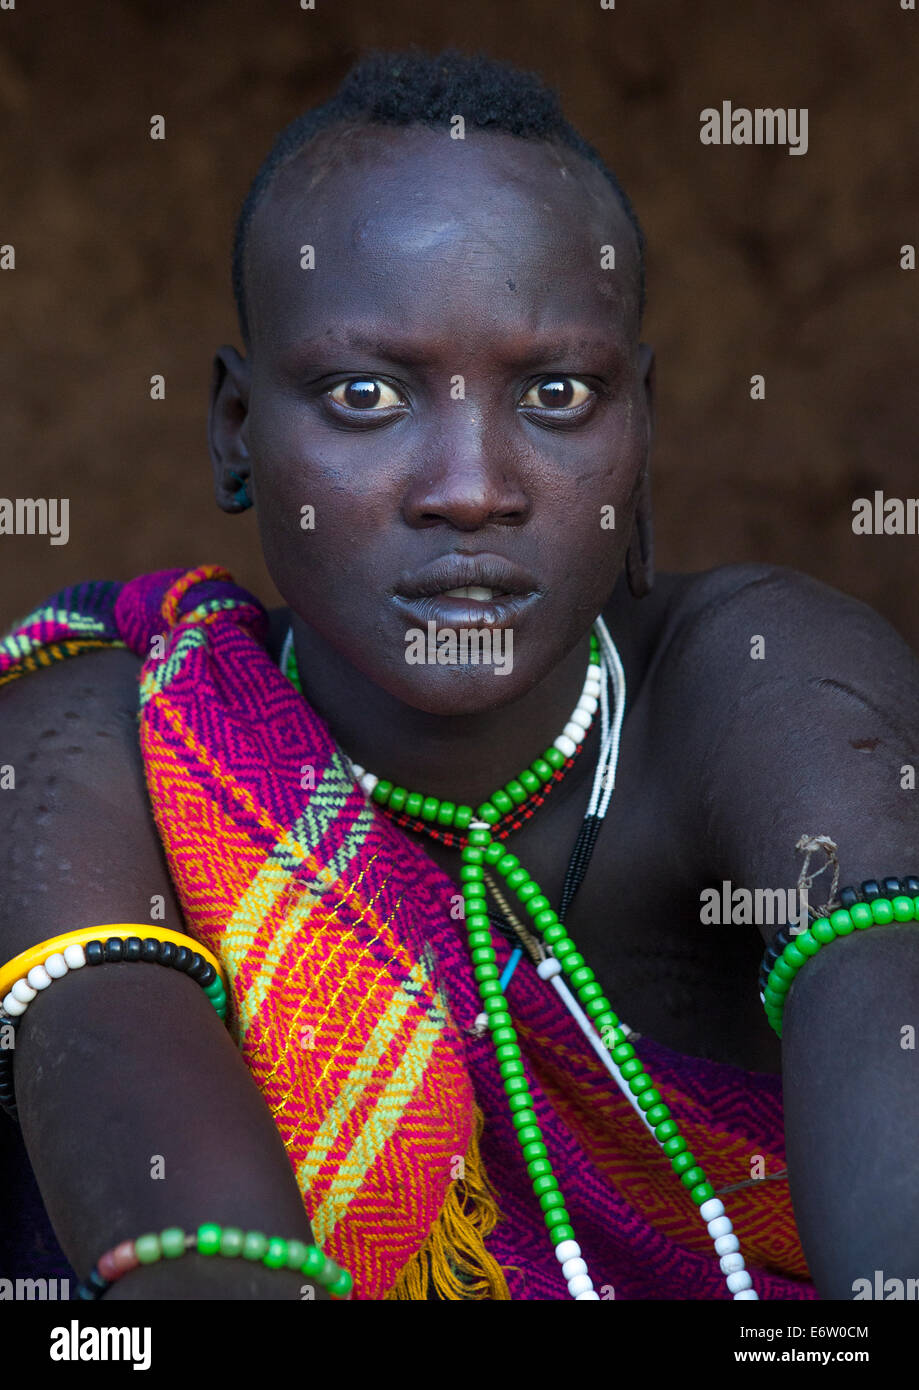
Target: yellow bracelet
{"type": "Point", "coordinates": [19, 967]}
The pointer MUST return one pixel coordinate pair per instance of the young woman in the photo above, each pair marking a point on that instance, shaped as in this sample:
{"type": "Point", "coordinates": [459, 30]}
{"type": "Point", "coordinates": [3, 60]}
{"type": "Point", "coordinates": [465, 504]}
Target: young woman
{"type": "Point", "coordinates": [430, 873]}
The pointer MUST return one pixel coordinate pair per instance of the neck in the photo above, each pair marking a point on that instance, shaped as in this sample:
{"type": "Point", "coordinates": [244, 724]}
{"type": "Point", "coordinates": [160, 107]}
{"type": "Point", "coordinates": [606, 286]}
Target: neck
{"type": "Point", "coordinates": [460, 757]}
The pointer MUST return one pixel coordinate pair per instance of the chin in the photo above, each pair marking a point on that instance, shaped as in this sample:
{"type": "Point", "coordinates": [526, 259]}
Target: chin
{"type": "Point", "coordinates": [455, 691]}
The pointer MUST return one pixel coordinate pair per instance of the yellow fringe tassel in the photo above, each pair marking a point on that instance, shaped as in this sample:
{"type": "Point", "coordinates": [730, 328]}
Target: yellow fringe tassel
{"type": "Point", "coordinates": [454, 1253]}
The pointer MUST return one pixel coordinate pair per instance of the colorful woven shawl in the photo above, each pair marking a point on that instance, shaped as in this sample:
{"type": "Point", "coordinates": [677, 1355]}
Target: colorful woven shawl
{"type": "Point", "coordinates": [353, 999]}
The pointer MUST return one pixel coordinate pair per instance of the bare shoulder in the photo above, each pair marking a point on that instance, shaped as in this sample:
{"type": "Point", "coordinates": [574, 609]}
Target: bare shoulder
{"type": "Point", "coordinates": [789, 707]}
{"type": "Point", "coordinates": [81, 712]}
{"type": "Point", "coordinates": [754, 645]}
{"type": "Point", "coordinates": [78, 842]}
{"type": "Point", "coordinates": [104, 668]}
{"type": "Point", "coordinates": [753, 623]}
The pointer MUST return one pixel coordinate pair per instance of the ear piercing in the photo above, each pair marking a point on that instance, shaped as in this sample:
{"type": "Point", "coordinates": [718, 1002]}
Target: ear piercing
{"type": "Point", "coordinates": [242, 492]}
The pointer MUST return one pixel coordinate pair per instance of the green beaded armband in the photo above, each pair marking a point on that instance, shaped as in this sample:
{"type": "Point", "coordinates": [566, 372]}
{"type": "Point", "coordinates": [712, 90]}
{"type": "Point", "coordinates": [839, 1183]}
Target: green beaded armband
{"type": "Point", "coordinates": [210, 1239]}
{"type": "Point", "coordinates": [821, 932]}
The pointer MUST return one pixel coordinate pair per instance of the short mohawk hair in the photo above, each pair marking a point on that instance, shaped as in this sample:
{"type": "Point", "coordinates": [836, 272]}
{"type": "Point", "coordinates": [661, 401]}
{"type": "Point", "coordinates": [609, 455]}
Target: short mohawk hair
{"type": "Point", "coordinates": [411, 87]}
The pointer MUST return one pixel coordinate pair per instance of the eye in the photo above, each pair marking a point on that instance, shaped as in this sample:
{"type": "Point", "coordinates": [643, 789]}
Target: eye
{"type": "Point", "coordinates": [366, 393]}
{"type": "Point", "coordinates": [558, 393]}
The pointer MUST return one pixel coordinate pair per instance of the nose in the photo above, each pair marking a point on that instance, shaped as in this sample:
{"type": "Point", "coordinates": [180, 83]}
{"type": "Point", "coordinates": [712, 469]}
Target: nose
{"type": "Point", "coordinates": [469, 478]}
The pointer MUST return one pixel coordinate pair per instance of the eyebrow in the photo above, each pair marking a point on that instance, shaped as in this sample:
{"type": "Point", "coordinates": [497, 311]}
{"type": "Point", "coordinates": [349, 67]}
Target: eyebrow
{"type": "Point", "coordinates": [408, 353]}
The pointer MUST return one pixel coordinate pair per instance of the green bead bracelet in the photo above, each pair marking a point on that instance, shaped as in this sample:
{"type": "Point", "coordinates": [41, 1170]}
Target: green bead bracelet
{"type": "Point", "coordinates": [231, 1242]}
{"type": "Point", "coordinates": [879, 912]}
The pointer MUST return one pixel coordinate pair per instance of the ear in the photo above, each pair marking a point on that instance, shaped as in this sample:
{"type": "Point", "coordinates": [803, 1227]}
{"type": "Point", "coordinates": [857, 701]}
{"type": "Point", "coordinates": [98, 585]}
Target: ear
{"type": "Point", "coordinates": [647, 369]}
{"type": "Point", "coordinates": [226, 428]}
{"type": "Point", "coordinates": [639, 559]}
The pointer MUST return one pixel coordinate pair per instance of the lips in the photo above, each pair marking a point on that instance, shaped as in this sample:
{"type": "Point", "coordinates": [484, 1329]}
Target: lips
{"type": "Point", "coordinates": [479, 590]}
{"type": "Point", "coordinates": [507, 610]}
{"type": "Point", "coordinates": [481, 578]}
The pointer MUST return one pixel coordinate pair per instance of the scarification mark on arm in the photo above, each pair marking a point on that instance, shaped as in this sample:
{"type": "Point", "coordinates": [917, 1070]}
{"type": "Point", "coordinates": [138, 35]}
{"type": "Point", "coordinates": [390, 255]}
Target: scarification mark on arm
{"type": "Point", "coordinates": [885, 717]}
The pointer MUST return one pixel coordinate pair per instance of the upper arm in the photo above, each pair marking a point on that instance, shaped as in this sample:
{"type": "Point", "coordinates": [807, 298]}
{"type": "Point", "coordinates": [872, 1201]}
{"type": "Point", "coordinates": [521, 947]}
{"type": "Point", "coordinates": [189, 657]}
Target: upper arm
{"type": "Point", "coordinates": [817, 735]}
{"type": "Point", "coordinates": [78, 843]}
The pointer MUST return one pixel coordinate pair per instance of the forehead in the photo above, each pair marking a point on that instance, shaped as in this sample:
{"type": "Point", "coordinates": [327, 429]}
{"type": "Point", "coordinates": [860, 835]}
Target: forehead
{"type": "Point", "coordinates": [410, 227]}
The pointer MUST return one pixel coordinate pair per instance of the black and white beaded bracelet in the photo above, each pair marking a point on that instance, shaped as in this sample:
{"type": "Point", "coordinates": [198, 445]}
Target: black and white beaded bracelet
{"type": "Point", "coordinates": [59, 962]}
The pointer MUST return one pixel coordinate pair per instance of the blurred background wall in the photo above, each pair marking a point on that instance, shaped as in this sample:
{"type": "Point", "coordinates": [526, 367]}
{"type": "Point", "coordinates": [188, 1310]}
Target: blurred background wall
{"type": "Point", "coordinates": [758, 261]}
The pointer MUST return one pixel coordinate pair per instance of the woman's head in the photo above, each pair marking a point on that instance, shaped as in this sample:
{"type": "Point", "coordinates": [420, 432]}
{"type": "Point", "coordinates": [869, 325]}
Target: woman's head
{"type": "Point", "coordinates": [453, 369]}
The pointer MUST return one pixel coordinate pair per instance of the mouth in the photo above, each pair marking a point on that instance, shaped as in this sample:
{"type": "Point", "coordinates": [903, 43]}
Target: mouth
{"type": "Point", "coordinates": [452, 610]}
{"type": "Point", "coordinates": [474, 578]}
{"type": "Point", "coordinates": [467, 590]}
{"type": "Point", "coordinates": [474, 591]}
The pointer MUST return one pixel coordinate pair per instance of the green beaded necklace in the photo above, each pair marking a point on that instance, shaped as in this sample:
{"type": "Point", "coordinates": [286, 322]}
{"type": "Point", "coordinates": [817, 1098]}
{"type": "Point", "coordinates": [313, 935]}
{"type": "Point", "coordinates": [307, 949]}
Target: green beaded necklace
{"type": "Point", "coordinates": [481, 848]}
{"type": "Point", "coordinates": [505, 810]}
